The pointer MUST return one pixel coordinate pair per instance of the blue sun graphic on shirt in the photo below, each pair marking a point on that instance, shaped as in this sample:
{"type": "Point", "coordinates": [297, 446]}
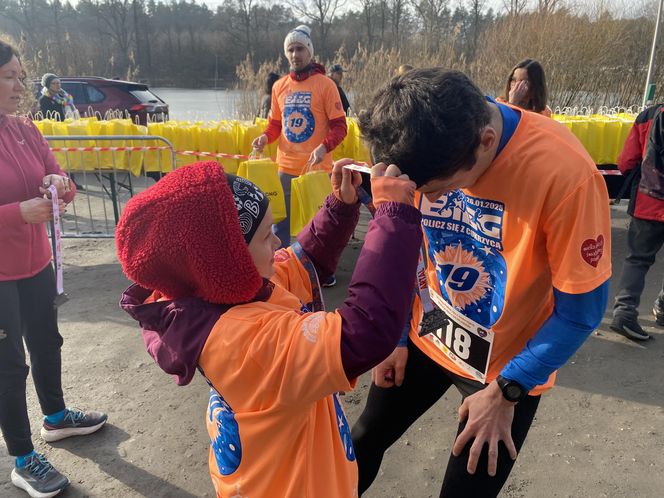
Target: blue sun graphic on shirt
{"type": "Point", "coordinates": [465, 242]}
{"type": "Point", "coordinates": [344, 429]}
{"type": "Point", "coordinates": [298, 120]}
{"type": "Point", "coordinates": [225, 441]}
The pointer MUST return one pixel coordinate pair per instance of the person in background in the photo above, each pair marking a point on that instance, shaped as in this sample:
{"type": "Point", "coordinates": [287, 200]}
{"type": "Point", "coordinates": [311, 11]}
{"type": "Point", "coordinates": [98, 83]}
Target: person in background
{"type": "Point", "coordinates": [27, 291]}
{"type": "Point", "coordinates": [55, 102]}
{"type": "Point", "coordinates": [337, 75]}
{"type": "Point", "coordinates": [645, 235]}
{"type": "Point", "coordinates": [306, 117]}
{"type": "Point", "coordinates": [266, 99]}
{"type": "Point", "coordinates": [526, 87]}
{"type": "Point", "coordinates": [213, 296]}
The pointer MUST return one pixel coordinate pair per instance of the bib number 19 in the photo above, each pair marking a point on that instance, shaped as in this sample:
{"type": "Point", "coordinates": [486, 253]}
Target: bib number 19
{"type": "Point", "coordinates": [296, 122]}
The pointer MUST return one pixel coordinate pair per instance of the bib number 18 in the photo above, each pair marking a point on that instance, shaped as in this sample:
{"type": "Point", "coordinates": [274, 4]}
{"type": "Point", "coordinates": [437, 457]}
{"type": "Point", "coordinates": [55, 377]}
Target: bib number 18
{"type": "Point", "coordinates": [458, 341]}
{"type": "Point", "coordinates": [467, 349]}
{"type": "Point", "coordinates": [463, 341]}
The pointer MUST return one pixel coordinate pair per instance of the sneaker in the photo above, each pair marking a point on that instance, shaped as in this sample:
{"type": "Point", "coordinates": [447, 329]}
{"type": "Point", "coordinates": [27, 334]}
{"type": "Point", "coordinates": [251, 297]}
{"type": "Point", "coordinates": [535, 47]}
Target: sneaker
{"type": "Point", "coordinates": [75, 423]}
{"type": "Point", "coordinates": [658, 311]}
{"type": "Point", "coordinates": [39, 478]}
{"type": "Point", "coordinates": [330, 282]}
{"type": "Point", "coordinates": [629, 328]}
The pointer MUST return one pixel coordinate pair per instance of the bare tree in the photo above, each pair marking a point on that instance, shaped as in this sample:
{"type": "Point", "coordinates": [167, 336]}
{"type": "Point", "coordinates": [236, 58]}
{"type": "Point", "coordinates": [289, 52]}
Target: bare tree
{"type": "Point", "coordinates": [432, 16]}
{"type": "Point", "coordinates": [588, 54]}
{"type": "Point", "coordinates": [476, 9]}
{"type": "Point", "coordinates": [245, 8]}
{"type": "Point", "coordinates": [59, 35]}
{"type": "Point", "coordinates": [383, 17]}
{"type": "Point", "coordinates": [515, 7]}
{"type": "Point", "coordinates": [321, 13]}
{"type": "Point", "coordinates": [397, 14]}
{"type": "Point", "coordinates": [549, 6]}
{"type": "Point", "coordinates": [26, 16]}
{"type": "Point", "coordinates": [367, 7]}
{"type": "Point", "coordinates": [115, 19]}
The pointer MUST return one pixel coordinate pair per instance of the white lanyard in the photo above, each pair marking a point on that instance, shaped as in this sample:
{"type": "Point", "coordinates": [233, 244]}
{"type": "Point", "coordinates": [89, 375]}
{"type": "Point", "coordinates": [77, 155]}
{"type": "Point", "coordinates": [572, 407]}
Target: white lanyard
{"type": "Point", "coordinates": [57, 256]}
{"type": "Point", "coordinates": [433, 318]}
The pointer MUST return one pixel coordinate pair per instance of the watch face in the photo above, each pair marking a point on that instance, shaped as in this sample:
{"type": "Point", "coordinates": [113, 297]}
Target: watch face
{"type": "Point", "coordinates": [513, 392]}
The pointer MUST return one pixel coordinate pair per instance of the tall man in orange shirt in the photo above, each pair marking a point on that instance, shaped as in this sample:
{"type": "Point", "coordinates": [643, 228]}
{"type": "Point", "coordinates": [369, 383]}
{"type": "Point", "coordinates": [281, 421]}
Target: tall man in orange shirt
{"type": "Point", "coordinates": [306, 116]}
{"type": "Point", "coordinates": [517, 236]}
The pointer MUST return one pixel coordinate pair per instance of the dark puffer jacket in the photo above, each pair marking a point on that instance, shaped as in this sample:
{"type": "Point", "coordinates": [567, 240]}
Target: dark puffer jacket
{"type": "Point", "coordinates": [639, 152]}
{"type": "Point", "coordinates": [652, 167]}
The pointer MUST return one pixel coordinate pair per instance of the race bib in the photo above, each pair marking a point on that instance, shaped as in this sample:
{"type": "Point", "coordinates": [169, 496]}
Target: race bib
{"type": "Point", "coordinates": [465, 243]}
{"type": "Point", "coordinates": [462, 340]}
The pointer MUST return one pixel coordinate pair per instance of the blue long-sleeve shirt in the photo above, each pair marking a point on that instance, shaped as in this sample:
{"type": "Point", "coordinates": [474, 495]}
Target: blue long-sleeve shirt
{"type": "Point", "coordinates": [574, 318]}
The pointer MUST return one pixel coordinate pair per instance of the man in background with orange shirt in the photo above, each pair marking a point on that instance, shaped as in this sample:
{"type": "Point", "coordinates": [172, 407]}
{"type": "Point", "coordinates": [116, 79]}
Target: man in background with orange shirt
{"type": "Point", "coordinates": [306, 117]}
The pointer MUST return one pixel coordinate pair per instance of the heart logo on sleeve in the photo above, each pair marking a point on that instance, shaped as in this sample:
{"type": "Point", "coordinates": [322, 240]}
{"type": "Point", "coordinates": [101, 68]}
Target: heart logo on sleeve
{"type": "Point", "coordinates": [592, 250]}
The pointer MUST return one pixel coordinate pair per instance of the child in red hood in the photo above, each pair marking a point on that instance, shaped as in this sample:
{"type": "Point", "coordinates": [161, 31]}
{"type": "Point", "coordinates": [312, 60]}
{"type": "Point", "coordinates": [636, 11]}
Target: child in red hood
{"type": "Point", "coordinates": [211, 294]}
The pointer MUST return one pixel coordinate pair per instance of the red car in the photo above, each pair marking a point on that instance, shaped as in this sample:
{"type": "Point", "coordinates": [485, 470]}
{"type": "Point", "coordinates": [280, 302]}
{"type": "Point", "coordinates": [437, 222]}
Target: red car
{"type": "Point", "coordinates": [102, 97]}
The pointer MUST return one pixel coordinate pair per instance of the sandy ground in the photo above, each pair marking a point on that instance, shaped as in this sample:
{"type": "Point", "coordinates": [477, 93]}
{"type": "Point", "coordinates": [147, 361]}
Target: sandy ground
{"type": "Point", "coordinates": [599, 433]}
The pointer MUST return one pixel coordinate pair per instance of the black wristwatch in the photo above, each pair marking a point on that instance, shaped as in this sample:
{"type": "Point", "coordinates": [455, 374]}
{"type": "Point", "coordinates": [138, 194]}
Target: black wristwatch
{"type": "Point", "coordinates": [512, 390]}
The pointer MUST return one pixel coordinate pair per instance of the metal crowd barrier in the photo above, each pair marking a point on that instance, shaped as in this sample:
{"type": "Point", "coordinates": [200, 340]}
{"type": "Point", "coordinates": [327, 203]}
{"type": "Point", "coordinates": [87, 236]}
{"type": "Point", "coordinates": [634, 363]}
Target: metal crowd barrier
{"type": "Point", "coordinates": [105, 177]}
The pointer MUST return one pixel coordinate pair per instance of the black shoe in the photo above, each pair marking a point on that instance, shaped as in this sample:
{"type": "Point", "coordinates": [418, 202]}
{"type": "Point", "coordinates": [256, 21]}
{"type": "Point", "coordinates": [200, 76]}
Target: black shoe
{"type": "Point", "coordinates": [39, 478]}
{"type": "Point", "coordinates": [658, 311]}
{"type": "Point", "coordinates": [331, 281]}
{"type": "Point", "coordinates": [629, 328]}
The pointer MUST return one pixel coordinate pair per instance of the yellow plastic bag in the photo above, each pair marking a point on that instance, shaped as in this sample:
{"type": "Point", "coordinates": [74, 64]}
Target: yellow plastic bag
{"type": "Point", "coordinates": [345, 148]}
{"type": "Point", "coordinates": [626, 124]}
{"type": "Point", "coordinates": [185, 139]}
{"type": "Point", "coordinates": [263, 173]}
{"type": "Point", "coordinates": [136, 157]}
{"type": "Point", "coordinates": [579, 127]}
{"type": "Point", "coordinates": [610, 148]}
{"type": "Point", "coordinates": [79, 161]}
{"type": "Point", "coordinates": [595, 140]}
{"type": "Point", "coordinates": [59, 128]}
{"type": "Point", "coordinates": [360, 151]}
{"type": "Point", "coordinates": [249, 133]}
{"type": "Point", "coordinates": [155, 160]}
{"type": "Point", "coordinates": [308, 192]}
{"type": "Point", "coordinates": [227, 143]}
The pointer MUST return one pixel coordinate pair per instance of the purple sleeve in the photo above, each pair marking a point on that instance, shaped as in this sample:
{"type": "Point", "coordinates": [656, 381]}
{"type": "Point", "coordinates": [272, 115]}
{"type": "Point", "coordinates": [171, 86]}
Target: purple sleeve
{"type": "Point", "coordinates": [327, 234]}
{"type": "Point", "coordinates": [380, 291]}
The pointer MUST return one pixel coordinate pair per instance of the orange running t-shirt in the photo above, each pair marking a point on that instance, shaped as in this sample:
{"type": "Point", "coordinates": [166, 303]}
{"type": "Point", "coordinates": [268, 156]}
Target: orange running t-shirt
{"type": "Point", "coordinates": [275, 426]}
{"type": "Point", "coordinates": [538, 218]}
{"type": "Point", "coordinates": [305, 109]}
{"type": "Point", "coordinates": [545, 112]}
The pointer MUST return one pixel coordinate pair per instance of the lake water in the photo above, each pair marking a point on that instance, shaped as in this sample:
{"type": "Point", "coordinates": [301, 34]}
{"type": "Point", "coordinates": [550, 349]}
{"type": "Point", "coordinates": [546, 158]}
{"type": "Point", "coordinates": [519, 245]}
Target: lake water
{"type": "Point", "coordinates": [193, 105]}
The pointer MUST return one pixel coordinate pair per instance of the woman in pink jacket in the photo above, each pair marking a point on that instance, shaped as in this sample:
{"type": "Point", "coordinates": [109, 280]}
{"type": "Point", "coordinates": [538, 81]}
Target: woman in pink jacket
{"type": "Point", "coordinates": [27, 291]}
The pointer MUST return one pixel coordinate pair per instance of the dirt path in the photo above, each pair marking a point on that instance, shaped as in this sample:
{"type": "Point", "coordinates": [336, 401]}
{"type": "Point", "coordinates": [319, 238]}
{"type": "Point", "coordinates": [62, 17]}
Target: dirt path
{"type": "Point", "coordinates": [599, 433]}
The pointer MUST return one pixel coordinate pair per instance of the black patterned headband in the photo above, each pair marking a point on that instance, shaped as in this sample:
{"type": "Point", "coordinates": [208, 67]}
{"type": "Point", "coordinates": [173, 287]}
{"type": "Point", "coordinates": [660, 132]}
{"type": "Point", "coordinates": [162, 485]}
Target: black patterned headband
{"type": "Point", "coordinates": [250, 202]}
